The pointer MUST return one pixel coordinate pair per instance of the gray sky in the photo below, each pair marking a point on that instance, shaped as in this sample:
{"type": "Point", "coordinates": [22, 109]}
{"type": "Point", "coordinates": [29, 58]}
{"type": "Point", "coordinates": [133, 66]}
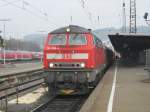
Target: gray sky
{"type": "Point", "coordinates": [46, 15]}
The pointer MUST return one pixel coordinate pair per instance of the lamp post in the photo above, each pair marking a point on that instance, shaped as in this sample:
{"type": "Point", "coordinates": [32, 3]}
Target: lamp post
{"type": "Point", "coordinates": [4, 35]}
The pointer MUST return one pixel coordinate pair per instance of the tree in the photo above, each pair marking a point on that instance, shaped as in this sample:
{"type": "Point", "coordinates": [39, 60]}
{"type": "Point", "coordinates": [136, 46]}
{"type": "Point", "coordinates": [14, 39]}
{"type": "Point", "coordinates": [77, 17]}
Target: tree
{"type": "Point", "coordinates": [17, 44]}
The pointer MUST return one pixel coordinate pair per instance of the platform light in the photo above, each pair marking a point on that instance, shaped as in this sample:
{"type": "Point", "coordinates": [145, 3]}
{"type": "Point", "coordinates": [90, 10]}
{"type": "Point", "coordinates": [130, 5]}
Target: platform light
{"type": "Point", "coordinates": [51, 65]}
{"type": "Point", "coordinates": [82, 65]}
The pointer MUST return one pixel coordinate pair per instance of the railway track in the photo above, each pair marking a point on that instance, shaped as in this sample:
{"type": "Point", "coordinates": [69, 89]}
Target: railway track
{"type": "Point", "coordinates": [62, 104]}
{"type": "Point", "coordinates": [12, 84]}
{"type": "Point", "coordinates": [20, 61]}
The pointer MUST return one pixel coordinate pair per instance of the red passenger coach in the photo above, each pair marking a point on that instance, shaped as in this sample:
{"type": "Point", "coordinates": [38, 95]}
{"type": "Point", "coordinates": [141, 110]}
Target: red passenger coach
{"type": "Point", "coordinates": [73, 59]}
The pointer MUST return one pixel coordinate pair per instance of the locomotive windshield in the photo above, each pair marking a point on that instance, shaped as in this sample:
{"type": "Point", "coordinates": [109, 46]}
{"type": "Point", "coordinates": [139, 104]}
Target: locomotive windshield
{"type": "Point", "coordinates": [74, 39]}
{"type": "Point", "coordinates": [58, 39]}
{"type": "Point", "coordinates": [77, 39]}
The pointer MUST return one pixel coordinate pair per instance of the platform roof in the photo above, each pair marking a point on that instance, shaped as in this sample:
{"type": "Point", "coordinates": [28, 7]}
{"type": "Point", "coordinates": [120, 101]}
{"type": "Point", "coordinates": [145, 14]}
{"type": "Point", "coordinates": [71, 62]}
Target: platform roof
{"type": "Point", "coordinates": [124, 42]}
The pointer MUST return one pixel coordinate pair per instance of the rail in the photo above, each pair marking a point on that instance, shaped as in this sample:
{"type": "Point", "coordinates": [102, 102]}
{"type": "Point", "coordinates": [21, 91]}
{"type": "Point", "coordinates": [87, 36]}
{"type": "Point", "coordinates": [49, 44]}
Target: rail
{"type": "Point", "coordinates": [19, 73]}
{"type": "Point", "coordinates": [62, 104]}
{"type": "Point", "coordinates": [14, 83]}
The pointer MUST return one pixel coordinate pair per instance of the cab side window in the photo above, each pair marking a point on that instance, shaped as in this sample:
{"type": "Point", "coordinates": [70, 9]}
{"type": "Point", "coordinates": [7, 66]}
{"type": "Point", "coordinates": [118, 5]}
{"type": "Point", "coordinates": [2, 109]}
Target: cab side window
{"type": "Point", "coordinates": [97, 42]}
{"type": "Point", "coordinates": [100, 45]}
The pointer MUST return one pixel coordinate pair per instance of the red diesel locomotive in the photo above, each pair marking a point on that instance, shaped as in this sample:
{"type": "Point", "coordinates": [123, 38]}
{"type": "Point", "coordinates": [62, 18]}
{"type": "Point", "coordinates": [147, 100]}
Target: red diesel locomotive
{"type": "Point", "coordinates": [74, 59]}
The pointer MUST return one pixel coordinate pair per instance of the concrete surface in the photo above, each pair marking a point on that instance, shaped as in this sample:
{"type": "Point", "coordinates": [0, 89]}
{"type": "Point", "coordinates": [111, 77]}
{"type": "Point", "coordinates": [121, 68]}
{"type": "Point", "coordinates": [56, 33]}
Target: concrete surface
{"type": "Point", "coordinates": [131, 94]}
{"type": "Point", "coordinates": [98, 100]}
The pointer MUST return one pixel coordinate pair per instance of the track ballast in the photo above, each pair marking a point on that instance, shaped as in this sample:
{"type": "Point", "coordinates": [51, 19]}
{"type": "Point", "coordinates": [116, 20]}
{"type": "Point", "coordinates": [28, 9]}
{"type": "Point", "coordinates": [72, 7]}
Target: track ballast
{"type": "Point", "coordinates": [62, 104]}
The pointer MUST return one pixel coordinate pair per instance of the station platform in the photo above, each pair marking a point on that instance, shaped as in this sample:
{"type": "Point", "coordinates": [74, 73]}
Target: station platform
{"type": "Point", "coordinates": [20, 67]}
{"type": "Point", "coordinates": [121, 90]}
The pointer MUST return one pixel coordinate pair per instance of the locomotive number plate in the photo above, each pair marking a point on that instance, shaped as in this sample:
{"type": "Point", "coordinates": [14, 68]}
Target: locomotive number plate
{"type": "Point", "coordinates": [67, 56]}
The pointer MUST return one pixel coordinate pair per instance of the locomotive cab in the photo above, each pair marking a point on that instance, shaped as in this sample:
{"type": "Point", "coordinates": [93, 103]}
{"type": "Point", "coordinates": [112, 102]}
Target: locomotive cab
{"type": "Point", "coordinates": [68, 51]}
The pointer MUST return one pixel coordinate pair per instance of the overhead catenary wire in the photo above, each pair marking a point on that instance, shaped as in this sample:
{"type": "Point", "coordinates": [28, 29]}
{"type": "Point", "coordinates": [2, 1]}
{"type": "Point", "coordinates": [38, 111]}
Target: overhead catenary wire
{"type": "Point", "coordinates": [94, 20]}
{"type": "Point", "coordinates": [43, 13]}
{"type": "Point", "coordinates": [21, 8]}
{"type": "Point", "coordinates": [10, 3]}
{"type": "Point", "coordinates": [29, 11]}
{"type": "Point", "coordinates": [33, 7]}
{"type": "Point", "coordinates": [38, 10]}
{"type": "Point", "coordinates": [87, 13]}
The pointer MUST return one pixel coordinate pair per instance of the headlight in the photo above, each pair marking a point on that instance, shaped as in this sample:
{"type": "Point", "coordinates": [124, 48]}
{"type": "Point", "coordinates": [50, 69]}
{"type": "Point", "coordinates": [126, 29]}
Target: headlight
{"type": "Point", "coordinates": [51, 65]}
{"type": "Point", "coordinates": [82, 65]}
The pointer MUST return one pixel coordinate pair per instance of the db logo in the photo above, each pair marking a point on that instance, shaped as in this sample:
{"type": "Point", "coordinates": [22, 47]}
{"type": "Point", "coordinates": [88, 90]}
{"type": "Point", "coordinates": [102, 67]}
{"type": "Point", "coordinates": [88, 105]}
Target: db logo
{"type": "Point", "coordinates": [67, 56]}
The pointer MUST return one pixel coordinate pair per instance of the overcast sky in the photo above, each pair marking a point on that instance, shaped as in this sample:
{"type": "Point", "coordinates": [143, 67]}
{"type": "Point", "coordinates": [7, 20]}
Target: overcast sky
{"type": "Point", "coordinates": [32, 16]}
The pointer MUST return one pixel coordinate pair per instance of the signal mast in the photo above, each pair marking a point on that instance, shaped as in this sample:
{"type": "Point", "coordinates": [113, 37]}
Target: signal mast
{"type": "Point", "coordinates": [133, 28]}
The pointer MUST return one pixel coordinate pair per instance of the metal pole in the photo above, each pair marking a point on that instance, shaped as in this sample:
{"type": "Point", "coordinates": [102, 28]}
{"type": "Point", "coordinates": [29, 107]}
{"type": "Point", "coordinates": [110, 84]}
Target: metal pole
{"type": "Point", "coordinates": [43, 41]}
{"type": "Point", "coordinates": [6, 102]}
{"type": "Point", "coordinates": [130, 19]}
{"type": "Point", "coordinates": [133, 28]}
{"type": "Point", "coordinates": [124, 18]}
{"type": "Point", "coordinates": [147, 59]}
{"type": "Point", "coordinates": [4, 43]}
{"type": "Point", "coordinates": [4, 35]}
{"type": "Point", "coordinates": [17, 95]}
{"type": "Point", "coordinates": [135, 16]}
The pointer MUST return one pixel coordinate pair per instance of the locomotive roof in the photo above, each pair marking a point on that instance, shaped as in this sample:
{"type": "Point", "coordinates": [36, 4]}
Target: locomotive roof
{"type": "Point", "coordinates": [72, 28]}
